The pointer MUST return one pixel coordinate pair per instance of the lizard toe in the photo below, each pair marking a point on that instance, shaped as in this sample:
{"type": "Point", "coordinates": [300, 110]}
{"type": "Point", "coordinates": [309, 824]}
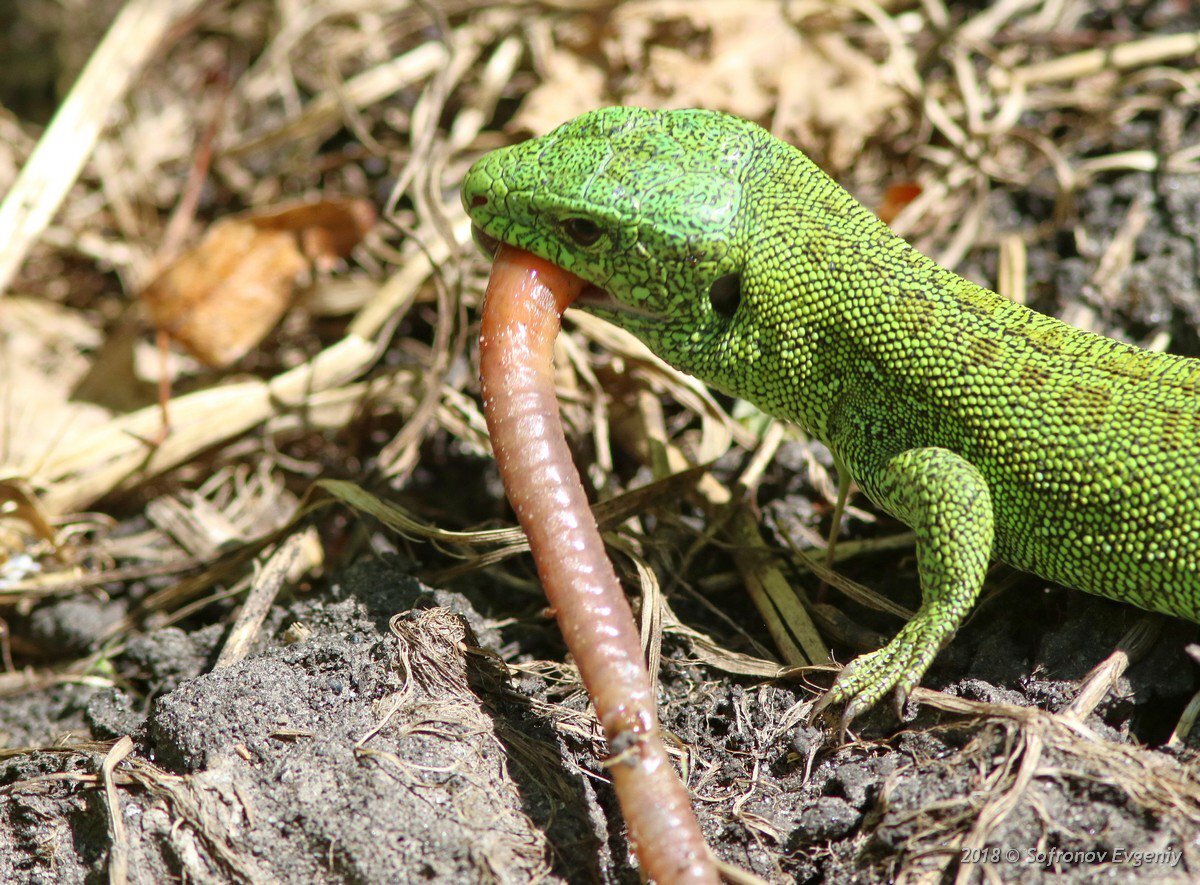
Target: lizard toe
{"type": "Point", "coordinates": [897, 666]}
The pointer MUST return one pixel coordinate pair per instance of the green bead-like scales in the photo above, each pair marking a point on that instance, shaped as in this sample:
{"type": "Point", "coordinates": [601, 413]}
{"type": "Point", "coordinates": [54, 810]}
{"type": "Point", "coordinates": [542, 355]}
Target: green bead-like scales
{"type": "Point", "coordinates": [989, 428]}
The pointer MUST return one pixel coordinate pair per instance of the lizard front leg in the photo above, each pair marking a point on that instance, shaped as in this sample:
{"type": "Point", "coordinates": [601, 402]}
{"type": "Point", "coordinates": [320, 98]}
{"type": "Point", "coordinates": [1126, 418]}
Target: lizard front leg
{"type": "Point", "coordinates": [946, 501]}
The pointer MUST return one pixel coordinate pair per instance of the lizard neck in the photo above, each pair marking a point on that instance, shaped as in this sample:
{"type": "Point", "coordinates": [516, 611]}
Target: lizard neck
{"type": "Point", "coordinates": [841, 313]}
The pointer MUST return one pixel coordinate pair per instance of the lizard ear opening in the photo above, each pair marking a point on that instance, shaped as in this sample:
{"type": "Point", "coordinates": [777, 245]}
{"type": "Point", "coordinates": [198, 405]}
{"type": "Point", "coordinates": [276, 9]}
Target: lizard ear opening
{"type": "Point", "coordinates": [725, 294]}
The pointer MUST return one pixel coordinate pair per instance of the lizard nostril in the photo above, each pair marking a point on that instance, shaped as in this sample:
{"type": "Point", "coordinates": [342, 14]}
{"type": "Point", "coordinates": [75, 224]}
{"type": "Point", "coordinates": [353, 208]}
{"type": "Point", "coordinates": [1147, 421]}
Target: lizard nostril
{"type": "Point", "coordinates": [478, 201]}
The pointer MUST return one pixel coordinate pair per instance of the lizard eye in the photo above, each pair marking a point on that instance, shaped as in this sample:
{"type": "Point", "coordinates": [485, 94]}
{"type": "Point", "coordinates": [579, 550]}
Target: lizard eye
{"type": "Point", "coordinates": [583, 231]}
{"type": "Point", "coordinates": [725, 294]}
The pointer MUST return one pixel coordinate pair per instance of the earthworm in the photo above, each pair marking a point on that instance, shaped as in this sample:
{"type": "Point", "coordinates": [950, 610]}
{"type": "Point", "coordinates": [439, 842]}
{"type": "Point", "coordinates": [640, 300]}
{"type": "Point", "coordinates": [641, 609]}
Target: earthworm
{"type": "Point", "coordinates": [522, 314]}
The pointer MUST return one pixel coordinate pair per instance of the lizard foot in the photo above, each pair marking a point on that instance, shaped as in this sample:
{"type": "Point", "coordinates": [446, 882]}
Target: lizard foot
{"type": "Point", "coordinates": [898, 665]}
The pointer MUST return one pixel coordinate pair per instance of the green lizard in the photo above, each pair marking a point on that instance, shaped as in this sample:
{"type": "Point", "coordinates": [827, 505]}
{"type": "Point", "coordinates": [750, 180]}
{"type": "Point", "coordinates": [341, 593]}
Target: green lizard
{"type": "Point", "coordinates": [991, 430]}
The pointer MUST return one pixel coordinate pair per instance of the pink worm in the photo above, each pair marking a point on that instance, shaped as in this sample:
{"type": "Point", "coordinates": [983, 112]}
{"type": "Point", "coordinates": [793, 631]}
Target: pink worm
{"type": "Point", "coordinates": [522, 314]}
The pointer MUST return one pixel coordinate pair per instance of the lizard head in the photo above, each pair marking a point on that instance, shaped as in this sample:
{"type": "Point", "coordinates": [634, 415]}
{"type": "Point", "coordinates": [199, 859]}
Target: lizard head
{"type": "Point", "coordinates": [649, 207]}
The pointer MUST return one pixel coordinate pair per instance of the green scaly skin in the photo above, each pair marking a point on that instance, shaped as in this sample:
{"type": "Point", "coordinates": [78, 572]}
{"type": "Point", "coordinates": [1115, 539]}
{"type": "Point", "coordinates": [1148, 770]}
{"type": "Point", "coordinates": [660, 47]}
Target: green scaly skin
{"type": "Point", "coordinates": [992, 430]}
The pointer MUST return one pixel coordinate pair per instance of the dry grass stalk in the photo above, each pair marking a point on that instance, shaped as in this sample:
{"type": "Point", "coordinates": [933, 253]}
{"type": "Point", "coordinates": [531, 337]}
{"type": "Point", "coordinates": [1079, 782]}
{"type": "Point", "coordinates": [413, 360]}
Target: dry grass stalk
{"type": "Point", "coordinates": [47, 176]}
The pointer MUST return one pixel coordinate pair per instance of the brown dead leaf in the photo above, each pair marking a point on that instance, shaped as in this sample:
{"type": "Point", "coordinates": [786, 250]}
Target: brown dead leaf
{"type": "Point", "coordinates": [834, 97]}
{"type": "Point", "coordinates": [804, 80]}
{"type": "Point", "coordinates": [569, 85]}
{"type": "Point", "coordinates": [795, 69]}
{"type": "Point", "coordinates": [328, 229]}
{"type": "Point", "coordinates": [221, 297]}
{"type": "Point", "coordinates": [895, 198]}
{"type": "Point", "coordinates": [705, 53]}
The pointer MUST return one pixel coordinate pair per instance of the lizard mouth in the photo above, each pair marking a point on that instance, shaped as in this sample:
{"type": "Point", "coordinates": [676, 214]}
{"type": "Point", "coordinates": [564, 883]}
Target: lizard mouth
{"type": "Point", "coordinates": [484, 241]}
{"type": "Point", "coordinates": [592, 296]}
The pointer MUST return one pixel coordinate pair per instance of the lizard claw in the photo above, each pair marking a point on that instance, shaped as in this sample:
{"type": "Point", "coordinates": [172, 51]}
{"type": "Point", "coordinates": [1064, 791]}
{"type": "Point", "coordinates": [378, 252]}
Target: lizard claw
{"type": "Point", "coordinates": [829, 698]}
{"type": "Point", "coordinates": [897, 666]}
{"type": "Point", "coordinates": [853, 708]}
